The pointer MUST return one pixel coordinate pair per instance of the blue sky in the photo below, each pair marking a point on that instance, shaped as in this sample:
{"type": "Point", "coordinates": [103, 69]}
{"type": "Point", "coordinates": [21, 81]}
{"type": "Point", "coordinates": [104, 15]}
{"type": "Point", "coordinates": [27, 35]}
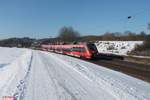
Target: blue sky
{"type": "Point", "coordinates": [44, 18]}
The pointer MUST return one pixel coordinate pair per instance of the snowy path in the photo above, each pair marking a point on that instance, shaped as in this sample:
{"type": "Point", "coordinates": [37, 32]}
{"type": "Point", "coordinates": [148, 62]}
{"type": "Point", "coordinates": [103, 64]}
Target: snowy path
{"type": "Point", "coordinates": [36, 75]}
{"type": "Point", "coordinates": [53, 80]}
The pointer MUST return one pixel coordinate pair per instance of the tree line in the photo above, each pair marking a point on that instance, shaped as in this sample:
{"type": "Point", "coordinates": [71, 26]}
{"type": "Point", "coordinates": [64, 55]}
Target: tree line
{"type": "Point", "coordinates": [68, 34]}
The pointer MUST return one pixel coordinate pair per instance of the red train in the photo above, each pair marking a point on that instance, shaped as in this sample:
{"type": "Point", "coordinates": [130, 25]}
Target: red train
{"type": "Point", "coordinates": [85, 50]}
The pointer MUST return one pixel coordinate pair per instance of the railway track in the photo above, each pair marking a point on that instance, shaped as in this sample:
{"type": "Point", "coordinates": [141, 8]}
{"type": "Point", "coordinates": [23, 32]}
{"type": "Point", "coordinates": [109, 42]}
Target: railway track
{"type": "Point", "coordinates": [139, 71]}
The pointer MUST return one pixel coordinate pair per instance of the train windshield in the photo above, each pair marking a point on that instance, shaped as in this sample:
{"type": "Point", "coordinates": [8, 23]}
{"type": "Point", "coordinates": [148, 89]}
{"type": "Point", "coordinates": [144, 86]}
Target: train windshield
{"type": "Point", "coordinates": [92, 47]}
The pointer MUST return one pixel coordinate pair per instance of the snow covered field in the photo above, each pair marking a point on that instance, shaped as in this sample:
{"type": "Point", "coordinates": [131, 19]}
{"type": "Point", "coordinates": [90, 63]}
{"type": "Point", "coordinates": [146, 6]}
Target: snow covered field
{"type": "Point", "coordinates": [7, 55]}
{"type": "Point", "coordinates": [116, 47]}
{"type": "Point", "coordinates": [37, 75]}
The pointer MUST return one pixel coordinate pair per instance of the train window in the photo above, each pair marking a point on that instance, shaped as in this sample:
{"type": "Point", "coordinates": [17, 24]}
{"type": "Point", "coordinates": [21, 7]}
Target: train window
{"type": "Point", "coordinates": [67, 49]}
{"type": "Point", "coordinates": [78, 49]}
{"type": "Point", "coordinates": [74, 49]}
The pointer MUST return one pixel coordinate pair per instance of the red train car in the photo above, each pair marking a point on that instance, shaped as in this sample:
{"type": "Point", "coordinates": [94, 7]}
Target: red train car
{"type": "Point", "coordinates": [86, 50]}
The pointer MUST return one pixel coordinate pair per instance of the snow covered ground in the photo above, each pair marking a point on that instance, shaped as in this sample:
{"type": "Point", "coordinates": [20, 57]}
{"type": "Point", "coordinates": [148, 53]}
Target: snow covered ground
{"type": "Point", "coordinates": [116, 47]}
{"type": "Point", "coordinates": [37, 75]}
{"type": "Point", "coordinates": [7, 55]}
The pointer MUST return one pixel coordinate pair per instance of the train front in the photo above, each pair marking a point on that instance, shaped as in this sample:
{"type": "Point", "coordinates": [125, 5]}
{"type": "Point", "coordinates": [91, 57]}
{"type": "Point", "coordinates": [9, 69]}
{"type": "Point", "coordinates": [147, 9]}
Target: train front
{"type": "Point", "coordinates": [92, 51]}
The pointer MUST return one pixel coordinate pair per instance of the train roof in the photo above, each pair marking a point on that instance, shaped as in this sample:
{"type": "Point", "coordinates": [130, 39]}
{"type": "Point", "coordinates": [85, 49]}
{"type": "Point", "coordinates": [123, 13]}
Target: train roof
{"type": "Point", "coordinates": [67, 45]}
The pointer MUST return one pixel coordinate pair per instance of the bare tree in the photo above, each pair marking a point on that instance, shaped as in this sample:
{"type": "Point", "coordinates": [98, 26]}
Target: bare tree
{"type": "Point", "coordinates": [142, 35]}
{"type": "Point", "coordinates": [68, 34]}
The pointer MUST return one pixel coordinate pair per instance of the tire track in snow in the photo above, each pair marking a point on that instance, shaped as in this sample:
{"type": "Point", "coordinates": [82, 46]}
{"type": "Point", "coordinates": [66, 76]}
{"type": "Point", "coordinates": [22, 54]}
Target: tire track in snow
{"type": "Point", "coordinates": [22, 85]}
{"type": "Point", "coordinates": [77, 83]}
{"type": "Point", "coordinates": [55, 82]}
{"type": "Point", "coordinates": [40, 85]}
{"type": "Point", "coordinates": [61, 83]}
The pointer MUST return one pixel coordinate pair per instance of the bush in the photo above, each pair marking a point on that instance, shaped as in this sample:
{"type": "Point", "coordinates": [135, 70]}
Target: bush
{"type": "Point", "coordinates": [142, 50]}
{"type": "Point", "coordinates": [144, 46]}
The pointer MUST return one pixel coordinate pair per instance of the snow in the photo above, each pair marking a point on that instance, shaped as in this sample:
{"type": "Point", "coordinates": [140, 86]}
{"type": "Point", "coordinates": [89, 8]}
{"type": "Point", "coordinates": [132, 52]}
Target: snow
{"type": "Point", "coordinates": [116, 47]}
{"type": "Point", "coordinates": [7, 55]}
{"type": "Point", "coordinates": [12, 73]}
{"type": "Point", "coordinates": [37, 75]}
